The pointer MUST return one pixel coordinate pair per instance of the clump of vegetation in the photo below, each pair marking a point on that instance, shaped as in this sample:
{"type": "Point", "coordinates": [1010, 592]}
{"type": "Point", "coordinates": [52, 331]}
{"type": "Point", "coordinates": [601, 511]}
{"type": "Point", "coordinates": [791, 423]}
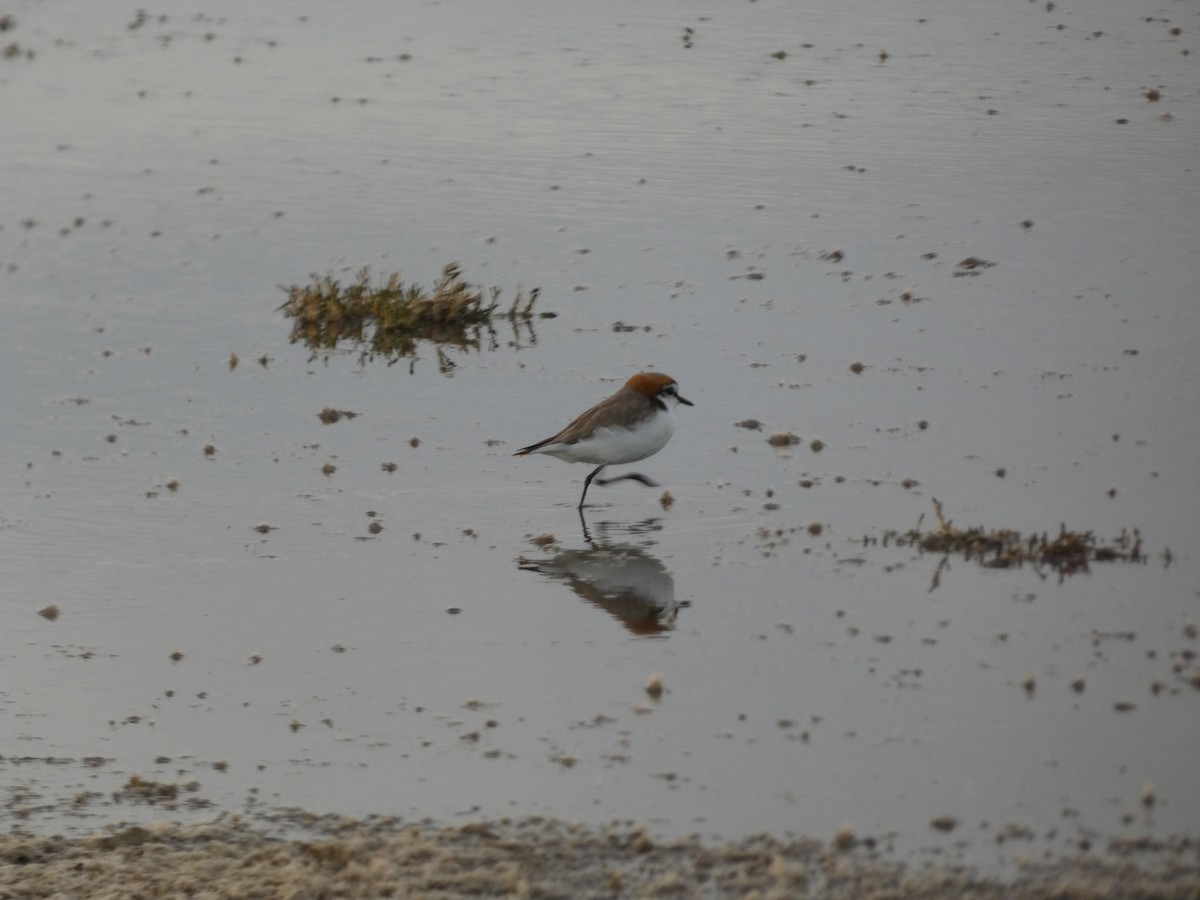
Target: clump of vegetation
{"type": "Point", "coordinates": [1066, 553]}
{"type": "Point", "coordinates": [388, 318]}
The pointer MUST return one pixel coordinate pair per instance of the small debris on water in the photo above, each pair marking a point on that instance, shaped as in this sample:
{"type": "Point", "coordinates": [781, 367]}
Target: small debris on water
{"type": "Point", "coordinates": [148, 791]}
{"type": "Point", "coordinates": [1149, 795]}
{"type": "Point", "coordinates": [972, 265]}
{"type": "Point", "coordinates": [654, 685]}
{"type": "Point", "coordinates": [329, 415]}
{"type": "Point", "coordinates": [50, 613]}
{"type": "Point", "coordinates": [545, 539]}
{"type": "Point", "coordinates": [783, 439]}
{"type": "Point", "coordinates": [666, 500]}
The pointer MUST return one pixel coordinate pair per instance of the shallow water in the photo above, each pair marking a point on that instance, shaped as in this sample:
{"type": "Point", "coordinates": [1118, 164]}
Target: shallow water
{"type": "Point", "coordinates": [810, 680]}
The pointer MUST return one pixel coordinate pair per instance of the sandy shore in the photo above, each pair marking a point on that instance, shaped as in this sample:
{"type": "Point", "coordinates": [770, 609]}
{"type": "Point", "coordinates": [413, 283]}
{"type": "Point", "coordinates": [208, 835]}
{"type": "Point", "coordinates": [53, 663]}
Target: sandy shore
{"type": "Point", "coordinates": [542, 858]}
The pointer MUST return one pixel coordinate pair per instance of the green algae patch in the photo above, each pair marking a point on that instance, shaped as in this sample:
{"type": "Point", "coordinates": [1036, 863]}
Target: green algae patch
{"type": "Point", "coordinates": [386, 318]}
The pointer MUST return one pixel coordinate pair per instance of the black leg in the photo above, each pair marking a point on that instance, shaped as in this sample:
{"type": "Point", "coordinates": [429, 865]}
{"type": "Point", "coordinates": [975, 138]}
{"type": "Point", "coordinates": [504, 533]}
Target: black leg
{"type": "Point", "coordinates": [587, 482]}
{"type": "Point", "coordinates": [632, 476]}
{"type": "Point", "coordinates": [587, 535]}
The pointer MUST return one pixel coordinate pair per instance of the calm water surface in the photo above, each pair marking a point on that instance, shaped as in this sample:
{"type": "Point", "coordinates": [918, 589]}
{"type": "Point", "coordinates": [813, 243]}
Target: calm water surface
{"type": "Point", "coordinates": [763, 223]}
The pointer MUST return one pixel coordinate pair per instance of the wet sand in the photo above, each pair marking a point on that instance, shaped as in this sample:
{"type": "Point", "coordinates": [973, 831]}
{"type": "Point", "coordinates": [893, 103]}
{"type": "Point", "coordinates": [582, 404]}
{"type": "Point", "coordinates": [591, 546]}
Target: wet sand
{"type": "Point", "coordinates": [540, 858]}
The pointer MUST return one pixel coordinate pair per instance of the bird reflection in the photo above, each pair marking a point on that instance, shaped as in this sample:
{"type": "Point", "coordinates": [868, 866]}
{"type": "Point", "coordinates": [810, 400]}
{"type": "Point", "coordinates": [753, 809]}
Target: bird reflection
{"type": "Point", "coordinates": [623, 580]}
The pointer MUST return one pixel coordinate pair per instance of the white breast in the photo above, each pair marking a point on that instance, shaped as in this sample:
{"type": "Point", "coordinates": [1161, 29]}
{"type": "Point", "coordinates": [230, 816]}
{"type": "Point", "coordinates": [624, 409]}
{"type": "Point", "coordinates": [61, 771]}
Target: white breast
{"type": "Point", "coordinates": [620, 445]}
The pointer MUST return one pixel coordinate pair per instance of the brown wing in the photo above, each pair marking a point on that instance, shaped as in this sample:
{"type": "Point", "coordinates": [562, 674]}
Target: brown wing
{"type": "Point", "coordinates": [583, 425]}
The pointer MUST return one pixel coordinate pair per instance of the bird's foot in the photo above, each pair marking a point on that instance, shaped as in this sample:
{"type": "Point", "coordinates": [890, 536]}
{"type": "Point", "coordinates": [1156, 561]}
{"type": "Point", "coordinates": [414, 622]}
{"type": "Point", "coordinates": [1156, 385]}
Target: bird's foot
{"type": "Point", "coordinates": [633, 476]}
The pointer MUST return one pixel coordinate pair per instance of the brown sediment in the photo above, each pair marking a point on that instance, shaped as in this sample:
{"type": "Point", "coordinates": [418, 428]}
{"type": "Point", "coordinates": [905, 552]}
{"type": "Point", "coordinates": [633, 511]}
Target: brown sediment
{"type": "Point", "coordinates": [543, 858]}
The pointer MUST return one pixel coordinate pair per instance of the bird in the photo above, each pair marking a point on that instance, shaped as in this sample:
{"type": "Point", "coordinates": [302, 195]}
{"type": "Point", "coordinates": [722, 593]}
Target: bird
{"type": "Point", "coordinates": [632, 424]}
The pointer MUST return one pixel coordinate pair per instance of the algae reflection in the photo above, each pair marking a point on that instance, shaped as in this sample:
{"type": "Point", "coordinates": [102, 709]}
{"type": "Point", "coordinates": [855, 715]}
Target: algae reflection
{"type": "Point", "coordinates": [388, 319]}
